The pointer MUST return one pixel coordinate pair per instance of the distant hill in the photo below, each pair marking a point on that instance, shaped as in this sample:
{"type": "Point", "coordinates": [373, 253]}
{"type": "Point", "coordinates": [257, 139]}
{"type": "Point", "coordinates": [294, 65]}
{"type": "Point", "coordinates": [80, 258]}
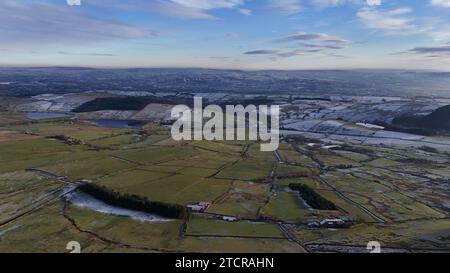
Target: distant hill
{"type": "Point", "coordinates": [62, 80]}
{"type": "Point", "coordinates": [434, 123]}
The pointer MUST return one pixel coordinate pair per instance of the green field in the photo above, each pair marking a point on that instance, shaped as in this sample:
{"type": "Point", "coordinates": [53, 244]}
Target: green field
{"type": "Point", "coordinates": [235, 178]}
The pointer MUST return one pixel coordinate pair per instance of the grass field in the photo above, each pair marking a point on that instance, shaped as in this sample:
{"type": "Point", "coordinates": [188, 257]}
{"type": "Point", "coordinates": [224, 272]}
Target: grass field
{"type": "Point", "coordinates": [235, 177]}
{"type": "Point", "coordinates": [207, 227]}
{"type": "Point", "coordinates": [285, 206]}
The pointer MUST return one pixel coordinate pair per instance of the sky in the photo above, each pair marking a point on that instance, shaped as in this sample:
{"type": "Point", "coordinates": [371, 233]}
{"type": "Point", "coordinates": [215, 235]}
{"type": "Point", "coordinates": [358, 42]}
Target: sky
{"type": "Point", "coordinates": [229, 34]}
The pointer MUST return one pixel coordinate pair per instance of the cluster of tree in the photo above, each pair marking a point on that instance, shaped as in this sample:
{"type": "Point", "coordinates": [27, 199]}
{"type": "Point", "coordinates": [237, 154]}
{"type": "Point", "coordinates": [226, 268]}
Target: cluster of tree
{"type": "Point", "coordinates": [260, 100]}
{"type": "Point", "coordinates": [359, 150]}
{"type": "Point", "coordinates": [434, 123]}
{"type": "Point", "coordinates": [313, 199]}
{"type": "Point", "coordinates": [167, 122]}
{"type": "Point", "coordinates": [429, 149]}
{"type": "Point", "coordinates": [344, 166]}
{"type": "Point", "coordinates": [417, 161]}
{"type": "Point", "coordinates": [129, 103]}
{"type": "Point", "coordinates": [311, 98]}
{"type": "Point", "coordinates": [414, 131]}
{"type": "Point", "coordinates": [299, 139]}
{"type": "Point", "coordinates": [113, 103]}
{"type": "Point", "coordinates": [134, 202]}
{"type": "Point", "coordinates": [67, 140]}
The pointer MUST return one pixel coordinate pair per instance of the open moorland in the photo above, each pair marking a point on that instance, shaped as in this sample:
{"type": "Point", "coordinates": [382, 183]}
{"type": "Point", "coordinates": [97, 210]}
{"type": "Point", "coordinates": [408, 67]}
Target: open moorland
{"type": "Point", "coordinates": [241, 199]}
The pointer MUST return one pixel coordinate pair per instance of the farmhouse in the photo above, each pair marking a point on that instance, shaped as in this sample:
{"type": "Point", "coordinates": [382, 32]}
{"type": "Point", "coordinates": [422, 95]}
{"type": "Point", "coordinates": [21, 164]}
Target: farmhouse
{"type": "Point", "coordinates": [199, 207]}
{"type": "Point", "coordinates": [332, 223]}
{"type": "Point", "coordinates": [229, 218]}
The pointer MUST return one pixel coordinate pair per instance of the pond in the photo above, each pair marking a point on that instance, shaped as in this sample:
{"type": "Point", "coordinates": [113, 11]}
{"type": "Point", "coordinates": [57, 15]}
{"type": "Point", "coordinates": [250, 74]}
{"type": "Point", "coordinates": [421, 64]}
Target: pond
{"type": "Point", "coordinates": [116, 123]}
{"type": "Point", "coordinates": [45, 115]}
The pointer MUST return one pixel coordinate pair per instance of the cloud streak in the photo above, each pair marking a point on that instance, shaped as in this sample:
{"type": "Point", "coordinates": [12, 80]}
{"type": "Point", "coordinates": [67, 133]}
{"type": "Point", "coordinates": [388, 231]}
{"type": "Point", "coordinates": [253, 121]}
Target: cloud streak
{"type": "Point", "coordinates": [334, 3]}
{"type": "Point", "coordinates": [284, 6]}
{"type": "Point", "coordinates": [441, 3]}
{"type": "Point", "coordinates": [39, 23]}
{"type": "Point", "coordinates": [429, 51]}
{"type": "Point", "coordinates": [317, 37]}
{"type": "Point", "coordinates": [87, 54]}
{"type": "Point", "coordinates": [262, 52]}
{"type": "Point", "coordinates": [185, 9]}
{"type": "Point", "coordinates": [392, 21]}
{"type": "Point", "coordinates": [311, 44]}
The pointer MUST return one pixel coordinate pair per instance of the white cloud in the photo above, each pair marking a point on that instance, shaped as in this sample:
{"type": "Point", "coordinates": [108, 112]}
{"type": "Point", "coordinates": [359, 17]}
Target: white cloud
{"type": "Point", "coordinates": [328, 3]}
{"type": "Point", "coordinates": [373, 2]}
{"type": "Point", "coordinates": [441, 32]}
{"type": "Point", "coordinates": [317, 37]}
{"type": "Point", "coordinates": [187, 9]}
{"type": "Point", "coordinates": [37, 23]}
{"type": "Point", "coordinates": [393, 21]}
{"type": "Point", "coordinates": [262, 52]}
{"type": "Point", "coordinates": [334, 3]}
{"type": "Point", "coordinates": [441, 3]}
{"type": "Point", "coordinates": [317, 44]}
{"type": "Point", "coordinates": [73, 2]}
{"type": "Point", "coordinates": [442, 51]}
{"type": "Point", "coordinates": [246, 12]}
{"type": "Point", "coordinates": [284, 6]}
{"type": "Point", "coordinates": [201, 7]}
{"type": "Point", "coordinates": [401, 21]}
{"type": "Point", "coordinates": [208, 4]}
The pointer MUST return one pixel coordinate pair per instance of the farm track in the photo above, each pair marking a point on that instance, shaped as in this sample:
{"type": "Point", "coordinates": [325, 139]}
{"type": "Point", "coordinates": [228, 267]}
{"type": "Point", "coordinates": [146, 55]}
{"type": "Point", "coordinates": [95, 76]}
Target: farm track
{"type": "Point", "coordinates": [278, 156]}
{"type": "Point", "coordinates": [242, 157]}
{"type": "Point", "coordinates": [19, 191]}
{"type": "Point", "coordinates": [211, 150]}
{"type": "Point", "coordinates": [398, 191]}
{"type": "Point", "coordinates": [127, 160]}
{"type": "Point", "coordinates": [323, 170]}
{"type": "Point", "coordinates": [350, 201]}
{"type": "Point", "coordinates": [61, 179]}
{"type": "Point", "coordinates": [272, 180]}
{"type": "Point", "coordinates": [36, 206]}
{"type": "Point", "coordinates": [291, 237]}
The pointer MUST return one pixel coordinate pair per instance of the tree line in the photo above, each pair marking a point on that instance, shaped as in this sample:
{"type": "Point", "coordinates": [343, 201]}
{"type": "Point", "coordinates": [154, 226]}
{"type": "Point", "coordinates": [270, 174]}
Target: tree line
{"type": "Point", "coordinates": [313, 199]}
{"type": "Point", "coordinates": [134, 202]}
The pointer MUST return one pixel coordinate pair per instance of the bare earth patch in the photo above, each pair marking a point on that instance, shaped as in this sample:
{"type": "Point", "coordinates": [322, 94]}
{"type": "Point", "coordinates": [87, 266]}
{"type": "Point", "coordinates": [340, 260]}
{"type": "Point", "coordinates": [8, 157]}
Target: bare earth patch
{"type": "Point", "coordinates": [14, 135]}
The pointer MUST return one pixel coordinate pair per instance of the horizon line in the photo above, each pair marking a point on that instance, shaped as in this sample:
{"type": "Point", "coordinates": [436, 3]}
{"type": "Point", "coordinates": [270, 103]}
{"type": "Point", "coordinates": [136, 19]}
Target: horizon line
{"type": "Point", "coordinates": [214, 68]}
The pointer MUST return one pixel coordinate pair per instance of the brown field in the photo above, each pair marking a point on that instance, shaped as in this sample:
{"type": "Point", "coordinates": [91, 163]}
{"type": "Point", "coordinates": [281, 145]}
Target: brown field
{"type": "Point", "coordinates": [15, 136]}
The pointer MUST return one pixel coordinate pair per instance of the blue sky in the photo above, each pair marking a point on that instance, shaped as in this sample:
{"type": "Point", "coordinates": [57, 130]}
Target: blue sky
{"type": "Point", "coordinates": [238, 34]}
